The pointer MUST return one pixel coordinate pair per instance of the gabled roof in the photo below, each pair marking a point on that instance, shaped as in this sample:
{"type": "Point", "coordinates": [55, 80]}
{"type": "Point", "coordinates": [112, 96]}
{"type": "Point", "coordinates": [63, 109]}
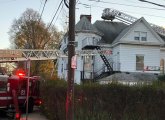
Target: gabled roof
{"type": "Point", "coordinates": [110, 29]}
{"type": "Point", "coordinates": [130, 27]}
{"type": "Point", "coordinates": [163, 37]}
{"type": "Point", "coordinates": [84, 25]}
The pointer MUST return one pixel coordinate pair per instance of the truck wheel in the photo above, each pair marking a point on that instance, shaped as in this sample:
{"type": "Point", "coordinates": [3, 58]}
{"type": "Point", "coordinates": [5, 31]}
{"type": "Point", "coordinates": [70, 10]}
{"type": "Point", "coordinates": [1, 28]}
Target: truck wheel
{"type": "Point", "coordinates": [30, 105]}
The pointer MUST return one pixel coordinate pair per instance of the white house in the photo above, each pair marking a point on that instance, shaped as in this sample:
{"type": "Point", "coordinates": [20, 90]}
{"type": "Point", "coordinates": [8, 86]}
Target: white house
{"type": "Point", "coordinates": [135, 48]}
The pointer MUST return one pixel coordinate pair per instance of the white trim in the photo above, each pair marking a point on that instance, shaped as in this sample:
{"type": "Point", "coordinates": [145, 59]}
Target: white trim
{"type": "Point", "coordinates": [3, 91]}
{"type": "Point", "coordinates": [3, 98]}
{"type": "Point", "coordinates": [3, 107]}
{"type": "Point", "coordinates": [9, 98]}
{"type": "Point", "coordinates": [22, 97]}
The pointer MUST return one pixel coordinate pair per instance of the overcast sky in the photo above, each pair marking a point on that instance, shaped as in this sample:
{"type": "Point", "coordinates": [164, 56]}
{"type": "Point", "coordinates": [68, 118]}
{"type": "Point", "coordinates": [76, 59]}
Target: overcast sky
{"type": "Point", "coordinates": [12, 9]}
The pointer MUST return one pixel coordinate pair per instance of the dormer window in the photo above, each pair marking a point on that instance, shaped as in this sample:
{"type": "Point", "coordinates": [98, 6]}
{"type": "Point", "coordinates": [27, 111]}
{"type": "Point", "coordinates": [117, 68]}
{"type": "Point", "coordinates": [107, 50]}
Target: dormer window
{"type": "Point", "coordinates": [140, 36]}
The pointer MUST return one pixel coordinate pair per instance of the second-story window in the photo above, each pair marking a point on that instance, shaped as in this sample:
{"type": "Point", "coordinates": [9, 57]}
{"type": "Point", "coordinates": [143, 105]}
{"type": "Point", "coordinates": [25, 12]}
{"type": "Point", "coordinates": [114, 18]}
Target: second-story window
{"type": "Point", "coordinates": [143, 36]}
{"type": "Point", "coordinates": [140, 36]}
{"type": "Point", "coordinates": [137, 35]}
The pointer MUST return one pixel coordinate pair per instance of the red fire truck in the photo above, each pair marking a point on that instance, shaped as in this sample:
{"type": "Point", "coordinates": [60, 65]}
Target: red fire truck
{"type": "Point", "coordinates": [13, 93]}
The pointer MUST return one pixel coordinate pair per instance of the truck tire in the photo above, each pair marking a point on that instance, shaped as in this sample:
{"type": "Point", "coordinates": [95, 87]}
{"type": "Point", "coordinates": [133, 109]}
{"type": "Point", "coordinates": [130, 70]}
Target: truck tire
{"type": "Point", "coordinates": [30, 105]}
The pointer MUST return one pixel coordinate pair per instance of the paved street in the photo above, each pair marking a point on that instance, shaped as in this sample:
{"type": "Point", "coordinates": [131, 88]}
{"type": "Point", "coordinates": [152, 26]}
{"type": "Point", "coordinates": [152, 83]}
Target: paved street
{"type": "Point", "coordinates": [36, 115]}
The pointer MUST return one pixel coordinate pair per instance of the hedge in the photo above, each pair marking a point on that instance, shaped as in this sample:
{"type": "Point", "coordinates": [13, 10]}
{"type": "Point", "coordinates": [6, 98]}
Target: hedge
{"type": "Point", "coordinates": [105, 102]}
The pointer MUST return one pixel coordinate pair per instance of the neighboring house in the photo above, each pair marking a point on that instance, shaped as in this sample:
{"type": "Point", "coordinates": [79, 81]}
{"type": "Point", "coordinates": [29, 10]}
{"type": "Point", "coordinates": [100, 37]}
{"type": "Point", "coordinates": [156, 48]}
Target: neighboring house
{"type": "Point", "coordinates": [135, 48]}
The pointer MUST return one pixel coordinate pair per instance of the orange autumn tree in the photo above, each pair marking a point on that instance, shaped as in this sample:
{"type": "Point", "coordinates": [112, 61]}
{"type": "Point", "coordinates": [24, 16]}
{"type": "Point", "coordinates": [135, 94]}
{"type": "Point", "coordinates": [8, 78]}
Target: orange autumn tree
{"type": "Point", "coordinates": [30, 32]}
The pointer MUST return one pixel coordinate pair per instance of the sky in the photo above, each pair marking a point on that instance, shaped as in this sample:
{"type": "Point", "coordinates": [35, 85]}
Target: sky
{"type": "Point", "coordinates": [13, 9]}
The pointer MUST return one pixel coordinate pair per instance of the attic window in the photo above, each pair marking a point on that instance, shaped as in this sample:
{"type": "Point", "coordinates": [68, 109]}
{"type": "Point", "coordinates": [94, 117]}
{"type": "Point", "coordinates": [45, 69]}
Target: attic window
{"type": "Point", "coordinates": [141, 36]}
{"type": "Point", "coordinates": [137, 35]}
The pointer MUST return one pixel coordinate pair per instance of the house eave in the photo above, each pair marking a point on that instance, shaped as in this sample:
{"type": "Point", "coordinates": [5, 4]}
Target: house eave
{"type": "Point", "coordinates": [88, 31]}
{"type": "Point", "coordinates": [137, 43]}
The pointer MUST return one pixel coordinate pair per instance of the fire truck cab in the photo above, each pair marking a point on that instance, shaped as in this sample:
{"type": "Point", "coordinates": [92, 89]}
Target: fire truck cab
{"type": "Point", "coordinates": [13, 93]}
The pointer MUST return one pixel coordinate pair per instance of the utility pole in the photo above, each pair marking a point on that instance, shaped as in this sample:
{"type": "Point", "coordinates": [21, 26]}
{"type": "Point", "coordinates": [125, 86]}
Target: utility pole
{"type": "Point", "coordinates": [71, 53]}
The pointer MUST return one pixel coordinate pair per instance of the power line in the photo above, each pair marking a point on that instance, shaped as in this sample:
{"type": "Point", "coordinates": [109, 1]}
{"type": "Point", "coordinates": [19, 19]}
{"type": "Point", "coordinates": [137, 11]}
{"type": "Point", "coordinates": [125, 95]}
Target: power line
{"type": "Point", "coordinates": [59, 12]}
{"type": "Point", "coordinates": [127, 5]}
{"type": "Point", "coordinates": [143, 14]}
{"type": "Point", "coordinates": [152, 3]}
{"type": "Point", "coordinates": [41, 1]}
{"type": "Point", "coordinates": [42, 11]}
{"type": "Point", "coordinates": [66, 4]}
{"type": "Point", "coordinates": [55, 14]}
{"type": "Point", "coordinates": [123, 10]}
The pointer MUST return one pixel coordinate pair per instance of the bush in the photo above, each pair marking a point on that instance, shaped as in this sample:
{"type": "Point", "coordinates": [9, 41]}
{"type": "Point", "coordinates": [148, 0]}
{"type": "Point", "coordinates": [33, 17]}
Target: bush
{"type": "Point", "coordinates": [105, 102]}
{"type": "Point", "coordinates": [53, 93]}
{"type": "Point", "coordinates": [161, 78]}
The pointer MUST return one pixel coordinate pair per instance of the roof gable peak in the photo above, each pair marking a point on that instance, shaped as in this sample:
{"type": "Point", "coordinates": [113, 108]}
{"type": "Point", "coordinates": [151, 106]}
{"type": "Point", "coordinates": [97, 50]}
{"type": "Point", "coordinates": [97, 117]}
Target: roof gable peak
{"type": "Point", "coordinates": [130, 27]}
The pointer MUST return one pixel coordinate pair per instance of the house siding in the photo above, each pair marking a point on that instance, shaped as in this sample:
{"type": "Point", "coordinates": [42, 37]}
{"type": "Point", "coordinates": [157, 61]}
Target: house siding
{"type": "Point", "coordinates": [62, 68]}
{"type": "Point", "coordinates": [81, 36]}
{"type": "Point", "coordinates": [116, 58]}
{"type": "Point", "coordinates": [128, 57]}
{"type": "Point", "coordinates": [78, 70]}
{"type": "Point", "coordinates": [98, 64]}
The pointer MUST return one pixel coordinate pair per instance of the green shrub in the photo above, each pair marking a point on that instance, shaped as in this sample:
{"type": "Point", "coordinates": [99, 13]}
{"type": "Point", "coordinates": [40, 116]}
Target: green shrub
{"type": "Point", "coordinates": [161, 78]}
{"type": "Point", "coordinates": [105, 102]}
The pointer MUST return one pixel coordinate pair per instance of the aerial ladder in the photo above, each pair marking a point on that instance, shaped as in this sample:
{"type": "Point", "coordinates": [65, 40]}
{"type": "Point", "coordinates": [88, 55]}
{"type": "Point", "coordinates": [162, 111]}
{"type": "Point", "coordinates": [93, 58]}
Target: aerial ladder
{"type": "Point", "coordinates": [110, 14]}
{"type": "Point", "coordinates": [9, 55]}
{"type": "Point", "coordinates": [14, 55]}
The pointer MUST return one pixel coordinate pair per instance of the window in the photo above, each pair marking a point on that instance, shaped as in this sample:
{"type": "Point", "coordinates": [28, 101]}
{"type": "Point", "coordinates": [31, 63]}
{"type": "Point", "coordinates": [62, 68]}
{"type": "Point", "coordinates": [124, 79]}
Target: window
{"type": "Point", "coordinates": [76, 44]}
{"type": "Point", "coordinates": [137, 35]}
{"type": "Point", "coordinates": [3, 83]}
{"type": "Point", "coordinates": [139, 62]}
{"type": "Point", "coordinates": [141, 36]}
{"type": "Point", "coordinates": [87, 63]}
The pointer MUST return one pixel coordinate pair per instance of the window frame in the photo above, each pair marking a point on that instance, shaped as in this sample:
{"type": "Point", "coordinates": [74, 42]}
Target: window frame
{"type": "Point", "coordinates": [137, 35]}
{"type": "Point", "coordinates": [143, 35]}
{"type": "Point", "coordinates": [140, 36]}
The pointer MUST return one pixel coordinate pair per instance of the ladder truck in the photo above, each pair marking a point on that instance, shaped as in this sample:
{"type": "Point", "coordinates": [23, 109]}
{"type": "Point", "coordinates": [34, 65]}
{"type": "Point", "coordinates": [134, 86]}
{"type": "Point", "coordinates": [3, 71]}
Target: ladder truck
{"type": "Point", "coordinates": [13, 88]}
{"type": "Point", "coordinates": [110, 14]}
{"type": "Point", "coordinates": [13, 93]}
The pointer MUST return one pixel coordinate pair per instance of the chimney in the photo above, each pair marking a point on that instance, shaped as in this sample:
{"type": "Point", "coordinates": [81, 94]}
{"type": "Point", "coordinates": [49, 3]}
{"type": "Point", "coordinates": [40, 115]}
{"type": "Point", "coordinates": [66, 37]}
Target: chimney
{"type": "Point", "coordinates": [87, 16]}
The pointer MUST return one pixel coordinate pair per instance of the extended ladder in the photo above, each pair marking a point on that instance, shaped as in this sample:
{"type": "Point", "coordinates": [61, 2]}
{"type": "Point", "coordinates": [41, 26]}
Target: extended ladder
{"type": "Point", "coordinates": [9, 55]}
{"type": "Point", "coordinates": [109, 14]}
{"type": "Point", "coordinates": [25, 54]}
